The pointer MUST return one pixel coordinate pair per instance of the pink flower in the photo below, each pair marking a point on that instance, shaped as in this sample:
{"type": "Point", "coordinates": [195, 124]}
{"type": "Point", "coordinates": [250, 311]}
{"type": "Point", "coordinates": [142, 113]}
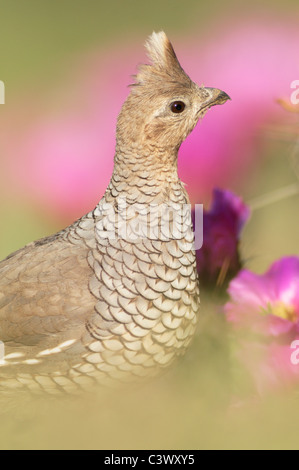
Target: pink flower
{"type": "Point", "coordinates": [265, 308]}
{"type": "Point", "coordinates": [268, 303]}
{"type": "Point", "coordinates": [62, 159]}
{"type": "Point", "coordinates": [219, 260]}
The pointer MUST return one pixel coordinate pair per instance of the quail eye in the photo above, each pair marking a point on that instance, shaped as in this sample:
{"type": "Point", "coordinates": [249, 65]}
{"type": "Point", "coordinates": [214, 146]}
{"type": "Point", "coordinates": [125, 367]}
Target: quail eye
{"type": "Point", "coordinates": [177, 107]}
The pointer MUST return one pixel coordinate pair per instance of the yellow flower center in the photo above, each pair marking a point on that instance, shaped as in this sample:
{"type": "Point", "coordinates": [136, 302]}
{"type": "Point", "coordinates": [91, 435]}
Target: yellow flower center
{"type": "Point", "coordinates": [287, 312]}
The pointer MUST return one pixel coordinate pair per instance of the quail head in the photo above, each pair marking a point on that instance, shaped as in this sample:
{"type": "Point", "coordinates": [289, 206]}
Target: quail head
{"type": "Point", "coordinates": [115, 295]}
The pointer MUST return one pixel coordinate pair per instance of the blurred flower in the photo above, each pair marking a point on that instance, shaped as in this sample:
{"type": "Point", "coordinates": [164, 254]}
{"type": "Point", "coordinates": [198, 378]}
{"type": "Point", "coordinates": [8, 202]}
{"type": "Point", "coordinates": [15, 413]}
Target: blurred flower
{"type": "Point", "coordinates": [264, 311]}
{"type": "Point", "coordinates": [63, 158]}
{"type": "Point", "coordinates": [218, 261]}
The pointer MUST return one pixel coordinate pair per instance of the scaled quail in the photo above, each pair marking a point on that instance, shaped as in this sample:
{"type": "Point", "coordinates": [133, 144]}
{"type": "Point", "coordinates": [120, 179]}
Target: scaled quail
{"type": "Point", "coordinates": [114, 295]}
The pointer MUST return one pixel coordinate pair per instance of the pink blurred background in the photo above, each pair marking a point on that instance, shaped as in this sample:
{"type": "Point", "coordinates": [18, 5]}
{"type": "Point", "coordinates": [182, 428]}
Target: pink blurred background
{"type": "Point", "coordinates": [57, 143]}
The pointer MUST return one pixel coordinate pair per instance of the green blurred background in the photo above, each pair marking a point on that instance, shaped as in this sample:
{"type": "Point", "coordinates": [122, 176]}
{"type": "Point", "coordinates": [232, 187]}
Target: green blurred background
{"type": "Point", "coordinates": [189, 407]}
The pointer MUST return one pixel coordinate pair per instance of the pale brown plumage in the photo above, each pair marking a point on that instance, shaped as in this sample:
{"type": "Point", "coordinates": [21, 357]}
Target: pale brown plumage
{"type": "Point", "coordinates": [88, 306]}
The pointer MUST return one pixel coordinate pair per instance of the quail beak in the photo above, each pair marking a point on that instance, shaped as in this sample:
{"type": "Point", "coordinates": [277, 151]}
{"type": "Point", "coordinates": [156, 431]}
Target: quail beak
{"type": "Point", "coordinates": [216, 97]}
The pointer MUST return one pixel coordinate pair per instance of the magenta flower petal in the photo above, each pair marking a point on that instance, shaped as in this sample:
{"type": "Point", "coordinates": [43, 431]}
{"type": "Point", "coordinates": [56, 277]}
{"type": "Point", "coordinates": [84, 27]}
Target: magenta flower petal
{"type": "Point", "coordinates": [269, 302]}
{"type": "Point", "coordinates": [238, 211]}
{"type": "Point", "coordinates": [265, 308]}
{"type": "Point", "coordinates": [222, 228]}
{"type": "Point", "coordinates": [285, 275]}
